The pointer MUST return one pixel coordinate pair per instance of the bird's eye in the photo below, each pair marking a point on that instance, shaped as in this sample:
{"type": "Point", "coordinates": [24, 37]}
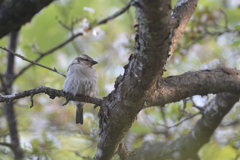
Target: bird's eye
{"type": "Point", "coordinates": [86, 60]}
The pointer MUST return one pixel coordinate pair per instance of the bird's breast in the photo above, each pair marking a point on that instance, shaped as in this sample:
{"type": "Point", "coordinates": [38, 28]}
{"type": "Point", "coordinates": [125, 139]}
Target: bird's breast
{"type": "Point", "coordinates": [81, 81]}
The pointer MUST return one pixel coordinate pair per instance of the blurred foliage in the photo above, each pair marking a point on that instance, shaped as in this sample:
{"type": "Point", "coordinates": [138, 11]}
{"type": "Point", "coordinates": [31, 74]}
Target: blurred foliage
{"type": "Point", "coordinates": [214, 151]}
{"type": "Point", "coordinates": [48, 130]}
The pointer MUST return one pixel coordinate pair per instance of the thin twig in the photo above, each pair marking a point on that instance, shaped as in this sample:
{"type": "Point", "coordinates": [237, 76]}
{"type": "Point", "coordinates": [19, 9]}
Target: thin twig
{"type": "Point", "coordinates": [183, 110]}
{"type": "Point", "coordinates": [207, 33]}
{"type": "Point", "coordinates": [50, 51]}
{"type": "Point", "coordinates": [163, 115]}
{"type": "Point", "coordinates": [226, 18]}
{"type": "Point", "coordinates": [64, 26]}
{"type": "Point", "coordinates": [177, 124]}
{"type": "Point", "coordinates": [112, 16]}
{"type": "Point", "coordinates": [39, 58]}
{"type": "Point", "coordinates": [71, 27]}
{"type": "Point", "coordinates": [33, 62]}
{"type": "Point", "coordinates": [1, 79]}
{"type": "Point", "coordinates": [83, 157]}
{"type": "Point", "coordinates": [233, 123]}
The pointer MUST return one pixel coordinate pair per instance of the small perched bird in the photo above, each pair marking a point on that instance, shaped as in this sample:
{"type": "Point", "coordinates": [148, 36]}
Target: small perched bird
{"type": "Point", "coordinates": [81, 79]}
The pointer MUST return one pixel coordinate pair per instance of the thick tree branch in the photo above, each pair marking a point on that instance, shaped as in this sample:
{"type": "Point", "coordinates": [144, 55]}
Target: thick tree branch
{"type": "Point", "coordinates": [188, 146]}
{"type": "Point", "coordinates": [14, 14]}
{"type": "Point", "coordinates": [52, 94]}
{"type": "Point", "coordinates": [175, 88]}
{"type": "Point", "coordinates": [182, 13]}
{"type": "Point", "coordinates": [133, 88]}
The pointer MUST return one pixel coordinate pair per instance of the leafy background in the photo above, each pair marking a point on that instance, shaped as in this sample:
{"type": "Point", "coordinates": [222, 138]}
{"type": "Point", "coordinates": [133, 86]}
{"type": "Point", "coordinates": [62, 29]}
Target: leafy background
{"type": "Point", "coordinates": [48, 130]}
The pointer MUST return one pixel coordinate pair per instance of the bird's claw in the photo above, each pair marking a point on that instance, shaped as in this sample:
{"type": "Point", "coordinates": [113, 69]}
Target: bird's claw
{"type": "Point", "coordinates": [68, 96]}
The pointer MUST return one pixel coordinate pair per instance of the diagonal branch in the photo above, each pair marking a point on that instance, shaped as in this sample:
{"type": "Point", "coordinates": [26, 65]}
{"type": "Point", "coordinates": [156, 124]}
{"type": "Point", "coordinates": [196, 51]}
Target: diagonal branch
{"type": "Point", "coordinates": [40, 57]}
{"type": "Point", "coordinates": [6, 144]}
{"type": "Point", "coordinates": [49, 51]}
{"type": "Point", "coordinates": [124, 9]}
{"type": "Point", "coordinates": [180, 122]}
{"type": "Point", "coordinates": [32, 62]}
{"type": "Point", "coordinates": [52, 94]}
{"type": "Point", "coordinates": [182, 13]}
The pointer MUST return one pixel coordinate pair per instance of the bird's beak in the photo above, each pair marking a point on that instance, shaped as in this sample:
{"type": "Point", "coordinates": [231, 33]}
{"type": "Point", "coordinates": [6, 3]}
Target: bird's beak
{"type": "Point", "coordinates": [94, 62]}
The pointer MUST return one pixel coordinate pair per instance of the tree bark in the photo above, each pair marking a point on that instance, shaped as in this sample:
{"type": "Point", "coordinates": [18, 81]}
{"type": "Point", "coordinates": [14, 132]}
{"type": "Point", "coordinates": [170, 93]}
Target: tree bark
{"type": "Point", "coordinates": [175, 88]}
{"type": "Point", "coordinates": [188, 146]}
{"type": "Point", "coordinates": [145, 65]}
{"type": "Point", "coordinates": [15, 13]}
{"type": "Point", "coordinates": [9, 107]}
{"type": "Point", "coordinates": [182, 13]}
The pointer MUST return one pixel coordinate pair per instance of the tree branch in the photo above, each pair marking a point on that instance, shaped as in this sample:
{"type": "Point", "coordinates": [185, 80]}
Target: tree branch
{"type": "Point", "coordinates": [124, 9]}
{"type": "Point", "coordinates": [50, 51]}
{"type": "Point", "coordinates": [180, 122]}
{"type": "Point", "coordinates": [66, 42]}
{"type": "Point", "coordinates": [182, 13]}
{"type": "Point", "coordinates": [188, 146]}
{"type": "Point", "coordinates": [6, 144]}
{"type": "Point", "coordinates": [141, 73]}
{"type": "Point", "coordinates": [123, 152]}
{"type": "Point", "coordinates": [175, 88]}
{"type": "Point", "coordinates": [40, 57]}
{"type": "Point", "coordinates": [32, 62]}
{"type": "Point", "coordinates": [52, 94]}
{"type": "Point", "coordinates": [9, 108]}
{"type": "Point", "coordinates": [14, 14]}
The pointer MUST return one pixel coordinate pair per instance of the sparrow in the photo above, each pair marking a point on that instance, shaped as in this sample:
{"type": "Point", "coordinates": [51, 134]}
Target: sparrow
{"type": "Point", "coordinates": [81, 78]}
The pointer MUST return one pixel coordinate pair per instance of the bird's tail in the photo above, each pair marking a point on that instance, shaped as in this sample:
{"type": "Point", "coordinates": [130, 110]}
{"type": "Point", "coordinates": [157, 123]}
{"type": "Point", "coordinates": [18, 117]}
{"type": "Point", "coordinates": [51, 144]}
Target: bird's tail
{"type": "Point", "coordinates": [79, 113]}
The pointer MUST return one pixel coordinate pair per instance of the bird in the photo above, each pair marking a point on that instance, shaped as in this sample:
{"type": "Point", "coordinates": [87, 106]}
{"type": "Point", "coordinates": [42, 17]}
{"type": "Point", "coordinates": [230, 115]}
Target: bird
{"type": "Point", "coordinates": [81, 78]}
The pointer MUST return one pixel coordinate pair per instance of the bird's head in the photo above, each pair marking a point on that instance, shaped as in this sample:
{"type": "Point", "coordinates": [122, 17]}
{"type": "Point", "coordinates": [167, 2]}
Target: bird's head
{"type": "Point", "coordinates": [85, 60]}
